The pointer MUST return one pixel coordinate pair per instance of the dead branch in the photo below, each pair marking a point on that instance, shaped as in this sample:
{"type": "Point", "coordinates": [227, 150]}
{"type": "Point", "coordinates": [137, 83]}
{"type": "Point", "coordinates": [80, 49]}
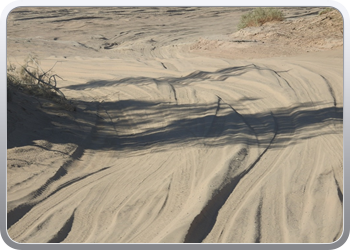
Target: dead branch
{"type": "Point", "coordinates": [40, 80]}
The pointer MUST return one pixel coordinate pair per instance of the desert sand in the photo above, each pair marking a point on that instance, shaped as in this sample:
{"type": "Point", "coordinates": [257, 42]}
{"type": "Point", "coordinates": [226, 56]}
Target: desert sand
{"type": "Point", "coordinates": [185, 129]}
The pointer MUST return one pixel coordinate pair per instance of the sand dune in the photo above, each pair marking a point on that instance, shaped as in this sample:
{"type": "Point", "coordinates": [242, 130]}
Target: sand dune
{"type": "Point", "coordinates": [174, 140]}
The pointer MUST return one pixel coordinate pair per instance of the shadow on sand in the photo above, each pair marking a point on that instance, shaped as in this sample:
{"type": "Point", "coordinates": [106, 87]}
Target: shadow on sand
{"type": "Point", "coordinates": [187, 123]}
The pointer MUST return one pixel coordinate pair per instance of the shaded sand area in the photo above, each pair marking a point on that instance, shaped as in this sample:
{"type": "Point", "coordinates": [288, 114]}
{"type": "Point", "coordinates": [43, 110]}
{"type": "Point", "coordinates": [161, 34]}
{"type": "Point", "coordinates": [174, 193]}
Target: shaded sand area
{"type": "Point", "coordinates": [185, 129]}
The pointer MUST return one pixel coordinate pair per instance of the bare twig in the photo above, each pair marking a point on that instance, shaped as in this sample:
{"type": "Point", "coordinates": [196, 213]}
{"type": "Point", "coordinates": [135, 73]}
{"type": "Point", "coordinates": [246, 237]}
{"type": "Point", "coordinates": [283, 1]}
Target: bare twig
{"type": "Point", "coordinates": [47, 84]}
{"type": "Point", "coordinates": [54, 77]}
{"type": "Point", "coordinates": [37, 64]}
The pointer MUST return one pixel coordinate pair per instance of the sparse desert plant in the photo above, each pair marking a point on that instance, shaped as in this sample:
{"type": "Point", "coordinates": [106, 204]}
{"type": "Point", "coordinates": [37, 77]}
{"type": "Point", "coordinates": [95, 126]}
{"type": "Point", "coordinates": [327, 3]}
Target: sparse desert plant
{"type": "Point", "coordinates": [259, 16]}
{"type": "Point", "coordinates": [325, 11]}
{"type": "Point", "coordinates": [31, 79]}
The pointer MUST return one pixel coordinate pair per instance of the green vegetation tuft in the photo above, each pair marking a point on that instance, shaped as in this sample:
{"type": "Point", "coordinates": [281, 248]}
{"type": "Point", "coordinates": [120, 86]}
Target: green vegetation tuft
{"type": "Point", "coordinates": [259, 16]}
{"type": "Point", "coordinates": [325, 11]}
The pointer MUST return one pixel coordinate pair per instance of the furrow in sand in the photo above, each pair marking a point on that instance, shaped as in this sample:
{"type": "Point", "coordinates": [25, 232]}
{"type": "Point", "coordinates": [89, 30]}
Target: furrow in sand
{"type": "Point", "coordinates": [279, 76]}
{"type": "Point", "coordinates": [64, 231]}
{"type": "Point", "coordinates": [248, 125]}
{"type": "Point", "coordinates": [18, 212]}
{"type": "Point", "coordinates": [62, 171]}
{"type": "Point", "coordinates": [70, 182]}
{"type": "Point", "coordinates": [167, 89]}
{"type": "Point", "coordinates": [174, 91]}
{"type": "Point", "coordinates": [166, 198]}
{"type": "Point", "coordinates": [340, 193]}
{"type": "Point", "coordinates": [274, 71]}
{"type": "Point", "coordinates": [258, 222]}
{"type": "Point", "coordinates": [204, 222]}
{"type": "Point", "coordinates": [110, 118]}
{"type": "Point", "coordinates": [70, 197]}
{"type": "Point", "coordinates": [164, 66]}
{"type": "Point", "coordinates": [307, 70]}
{"type": "Point", "coordinates": [212, 121]}
{"type": "Point", "coordinates": [245, 192]}
{"type": "Point", "coordinates": [15, 214]}
{"type": "Point", "coordinates": [331, 91]}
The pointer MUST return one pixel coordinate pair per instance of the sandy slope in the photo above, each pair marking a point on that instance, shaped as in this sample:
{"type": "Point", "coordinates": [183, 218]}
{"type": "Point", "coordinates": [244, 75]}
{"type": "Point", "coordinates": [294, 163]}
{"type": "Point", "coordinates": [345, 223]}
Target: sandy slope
{"type": "Point", "coordinates": [171, 142]}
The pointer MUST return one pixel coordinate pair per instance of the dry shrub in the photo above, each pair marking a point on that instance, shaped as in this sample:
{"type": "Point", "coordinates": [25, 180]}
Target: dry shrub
{"type": "Point", "coordinates": [325, 11]}
{"type": "Point", "coordinates": [259, 16]}
{"type": "Point", "coordinates": [32, 80]}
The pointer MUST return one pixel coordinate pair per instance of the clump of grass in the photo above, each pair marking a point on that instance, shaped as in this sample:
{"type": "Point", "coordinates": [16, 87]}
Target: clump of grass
{"type": "Point", "coordinates": [325, 11]}
{"type": "Point", "coordinates": [259, 16]}
{"type": "Point", "coordinates": [31, 79]}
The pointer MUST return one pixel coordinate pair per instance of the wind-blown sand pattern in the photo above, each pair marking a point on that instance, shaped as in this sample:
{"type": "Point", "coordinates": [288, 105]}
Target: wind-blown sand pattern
{"type": "Point", "coordinates": [185, 129]}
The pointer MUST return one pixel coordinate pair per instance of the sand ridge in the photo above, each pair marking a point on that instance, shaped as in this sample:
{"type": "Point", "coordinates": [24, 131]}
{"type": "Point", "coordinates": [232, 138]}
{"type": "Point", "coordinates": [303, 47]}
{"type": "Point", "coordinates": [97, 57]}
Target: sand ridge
{"type": "Point", "coordinates": [173, 140]}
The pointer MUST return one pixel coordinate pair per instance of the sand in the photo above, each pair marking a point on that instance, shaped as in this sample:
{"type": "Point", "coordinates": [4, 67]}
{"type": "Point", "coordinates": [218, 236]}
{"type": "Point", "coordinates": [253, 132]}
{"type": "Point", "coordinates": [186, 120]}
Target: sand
{"type": "Point", "coordinates": [185, 129]}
